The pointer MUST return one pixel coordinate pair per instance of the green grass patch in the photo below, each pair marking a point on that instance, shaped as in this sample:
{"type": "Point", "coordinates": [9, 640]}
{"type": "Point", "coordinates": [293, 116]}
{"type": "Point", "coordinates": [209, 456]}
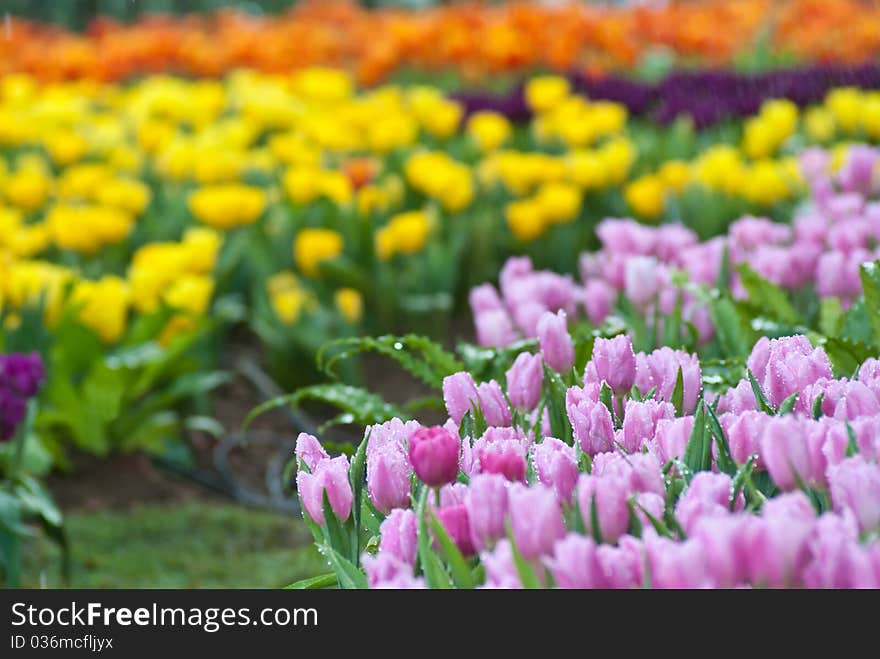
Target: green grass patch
{"type": "Point", "coordinates": [195, 544]}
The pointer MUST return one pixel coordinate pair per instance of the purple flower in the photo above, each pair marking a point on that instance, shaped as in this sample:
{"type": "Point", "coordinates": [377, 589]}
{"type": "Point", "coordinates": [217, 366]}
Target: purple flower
{"type": "Point", "coordinates": [641, 278]}
{"type": "Point", "coordinates": [504, 458]}
{"type": "Point", "coordinates": [535, 519]}
{"type": "Point", "coordinates": [671, 437]}
{"type": "Point", "coordinates": [590, 421]}
{"type": "Point", "coordinates": [524, 380]}
{"type": "Point", "coordinates": [486, 504]}
{"type": "Point", "coordinates": [384, 570]}
{"type": "Point", "coordinates": [575, 563]}
{"type": "Point", "coordinates": [20, 378]}
{"type": "Point", "coordinates": [309, 450]}
{"type": "Point", "coordinates": [791, 448]}
{"type": "Point", "coordinates": [557, 466]}
{"type": "Point", "coordinates": [855, 487]}
{"type": "Point", "coordinates": [459, 394]}
{"type": "Point", "coordinates": [500, 567]}
{"type": "Point", "coordinates": [598, 298]}
{"type": "Point", "coordinates": [494, 328]}
{"type": "Point", "coordinates": [610, 494]}
{"type": "Point", "coordinates": [454, 520]}
{"type": "Point", "coordinates": [330, 476]}
{"type": "Point", "coordinates": [484, 298]}
{"type": "Point", "coordinates": [743, 433]}
{"type": "Point", "coordinates": [640, 422]}
{"type": "Point", "coordinates": [433, 453]}
{"type": "Point", "coordinates": [613, 362]}
{"type": "Point", "coordinates": [399, 533]}
{"type": "Point", "coordinates": [556, 345]}
{"type": "Point", "coordinates": [494, 406]}
{"type": "Point", "coordinates": [388, 478]}
{"type": "Point", "coordinates": [787, 365]}
{"type": "Point", "coordinates": [660, 370]}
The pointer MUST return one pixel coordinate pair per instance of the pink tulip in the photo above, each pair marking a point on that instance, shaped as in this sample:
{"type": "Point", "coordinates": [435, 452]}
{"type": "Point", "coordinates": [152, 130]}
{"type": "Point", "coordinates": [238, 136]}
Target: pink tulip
{"type": "Point", "coordinates": [459, 394]}
{"type": "Point", "coordinates": [330, 476]}
{"type": "Point", "coordinates": [556, 346]}
{"type": "Point", "coordinates": [398, 535]}
{"type": "Point", "coordinates": [640, 422]}
{"type": "Point", "coordinates": [525, 378]}
{"type": "Point", "coordinates": [486, 504]}
{"type": "Point", "coordinates": [454, 520]}
{"type": "Point", "coordinates": [388, 478]}
{"type": "Point", "coordinates": [535, 519]}
{"type": "Point", "coordinates": [612, 362]}
{"type": "Point", "coordinates": [557, 466]}
{"type": "Point", "coordinates": [494, 406]}
{"type": "Point", "coordinates": [855, 487]}
{"type": "Point", "coordinates": [309, 450]}
{"type": "Point", "coordinates": [433, 453]}
{"type": "Point", "coordinates": [575, 563]}
{"type": "Point", "coordinates": [610, 495]}
{"type": "Point", "coordinates": [660, 370]}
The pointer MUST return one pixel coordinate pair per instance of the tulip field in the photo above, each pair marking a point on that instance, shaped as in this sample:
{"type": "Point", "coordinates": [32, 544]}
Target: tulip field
{"type": "Point", "coordinates": [481, 295]}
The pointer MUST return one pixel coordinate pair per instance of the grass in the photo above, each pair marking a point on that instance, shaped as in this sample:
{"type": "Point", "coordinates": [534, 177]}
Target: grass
{"type": "Point", "coordinates": [196, 544]}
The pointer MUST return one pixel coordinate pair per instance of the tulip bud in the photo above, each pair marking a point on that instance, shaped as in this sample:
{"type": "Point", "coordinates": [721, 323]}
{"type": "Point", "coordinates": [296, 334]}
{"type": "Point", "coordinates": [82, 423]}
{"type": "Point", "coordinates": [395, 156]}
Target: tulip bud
{"type": "Point", "coordinates": [486, 504]}
{"type": "Point", "coordinates": [555, 342]}
{"type": "Point", "coordinates": [855, 486]}
{"type": "Point", "coordinates": [505, 458]}
{"type": "Point", "coordinates": [399, 533]}
{"type": "Point", "coordinates": [388, 478]}
{"type": "Point", "coordinates": [640, 421]}
{"type": "Point", "coordinates": [609, 494]}
{"type": "Point", "coordinates": [331, 476]}
{"type": "Point", "coordinates": [557, 466]}
{"type": "Point", "coordinates": [659, 370]}
{"type": "Point", "coordinates": [590, 421]}
{"type": "Point", "coordinates": [575, 563]}
{"type": "Point", "coordinates": [524, 380]}
{"type": "Point", "coordinates": [454, 520]}
{"type": "Point", "coordinates": [495, 409]}
{"type": "Point", "coordinates": [459, 394]}
{"type": "Point", "coordinates": [309, 450]}
{"type": "Point", "coordinates": [433, 453]}
{"type": "Point", "coordinates": [535, 519]}
{"type": "Point", "coordinates": [614, 363]}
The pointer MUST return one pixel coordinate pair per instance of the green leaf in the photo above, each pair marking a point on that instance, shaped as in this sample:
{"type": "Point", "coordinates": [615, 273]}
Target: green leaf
{"type": "Point", "coordinates": [335, 534]}
{"type": "Point", "coordinates": [349, 576]}
{"type": "Point", "coordinates": [817, 405]}
{"type": "Point", "coordinates": [425, 359]}
{"type": "Point", "coordinates": [763, 405]}
{"type": "Point", "coordinates": [698, 451]}
{"type": "Point", "coordinates": [366, 407]}
{"type": "Point", "coordinates": [766, 296]}
{"type": "Point", "coordinates": [356, 478]}
{"type": "Point", "coordinates": [870, 275]}
{"type": "Point", "coordinates": [595, 527]}
{"type": "Point", "coordinates": [527, 576]}
{"type": "Point", "coordinates": [432, 567]}
{"type": "Point", "coordinates": [846, 355]}
{"type": "Point", "coordinates": [725, 461]}
{"type": "Point", "coordinates": [678, 393]}
{"type": "Point", "coordinates": [852, 446]}
{"type": "Point", "coordinates": [740, 479]}
{"type": "Point", "coordinates": [606, 397]}
{"type": "Point", "coordinates": [732, 335]}
{"type": "Point", "coordinates": [313, 583]}
{"type": "Point", "coordinates": [787, 406]}
{"type": "Point", "coordinates": [458, 567]}
{"type": "Point", "coordinates": [555, 391]}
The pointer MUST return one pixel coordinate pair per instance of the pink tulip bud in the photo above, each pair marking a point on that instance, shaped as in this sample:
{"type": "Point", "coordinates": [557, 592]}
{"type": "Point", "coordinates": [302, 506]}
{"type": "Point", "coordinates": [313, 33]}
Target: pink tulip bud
{"type": "Point", "coordinates": [494, 406]}
{"type": "Point", "coordinates": [309, 450]}
{"type": "Point", "coordinates": [791, 448]}
{"type": "Point", "coordinates": [575, 563]}
{"type": "Point", "coordinates": [611, 494]}
{"type": "Point", "coordinates": [384, 570]}
{"type": "Point", "coordinates": [556, 345]}
{"type": "Point", "coordinates": [641, 471]}
{"type": "Point", "coordinates": [557, 466]}
{"type": "Point", "coordinates": [535, 519]}
{"type": "Point", "coordinates": [838, 560]}
{"type": "Point", "coordinates": [641, 280]}
{"type": "Point", "coordinates": [524, 380]}
{"type": "Point", "coordinates": [855, 487]}
{"type": "Point", "coordinates": [590, 421]}
{"type": "Point", "coordinates": [505, 458]}
{"type": "Point", "coordinates": [724, 549]}
{"type": "Point", "coordinates": [454, 520]}
{"type": "Point", "coordinates": [640, 421]}
{"type": "Point", "coordinates": [484, 298]}
{"type": "Point", "coordinates": [514, 269]}
{"type": "Point", "coordinates": [459, 394]}
{"type": "Point", "coordinates": [787, 365]}
{"type": "Point", "coordinates": [494, 328]}
{"type": "Point", "coordinates": [599, 298]}
{"type": "Point", "coordinates": [776, 542]}
{"type": "Point", "coordinates": [500, 567]}
{"type": "Point", "coordinates": [672, 436]}
{"type": "Point", "coordinates": [625, 236]}
{"type": "Point", "coordinates": [388, 478]}
{"type": "Point", "coordinates": [399, 533]}
{"type": "Point", "coordinates": [738, 399]}
{"type": "Point", "coordinates": [330, 475]}
{"type": "Point", "coordinates": [433, 453]}
{"type": "Point", "coordinates": [614, 363]}
{"type": "Point", "coordinates": [659, 370]}
{"type": "Point", "coordinates": [676, 564]}
{"type": "Point", "coordinates": [708, 495]}
{"type": "Point", "coordinates": [867, 431]}
{"type": "Point", "coordinates": [622, 566]}
{"type": "Point", "coordinates": [743, 432]}
{"type": "Point", "coordinates": [858, 171]}
{"type": "Point", "coordinates": [486, 504]}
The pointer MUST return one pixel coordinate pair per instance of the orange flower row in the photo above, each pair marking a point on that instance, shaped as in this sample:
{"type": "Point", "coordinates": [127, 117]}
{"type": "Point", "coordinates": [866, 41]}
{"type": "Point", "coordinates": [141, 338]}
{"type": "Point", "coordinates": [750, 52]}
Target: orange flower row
{"type": "Point", "coordinates": [475, 39]}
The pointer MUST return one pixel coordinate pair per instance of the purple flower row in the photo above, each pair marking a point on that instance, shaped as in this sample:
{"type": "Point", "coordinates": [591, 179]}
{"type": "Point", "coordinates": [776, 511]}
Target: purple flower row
{"type": "Point", "coordinates": [823, 247]}
{"type": "Point", "coordinates": [707, 97]}
{"type": "Point", "coordinates": [623, 506]}
{"type": "Point", "coordinates": [20, 379]}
